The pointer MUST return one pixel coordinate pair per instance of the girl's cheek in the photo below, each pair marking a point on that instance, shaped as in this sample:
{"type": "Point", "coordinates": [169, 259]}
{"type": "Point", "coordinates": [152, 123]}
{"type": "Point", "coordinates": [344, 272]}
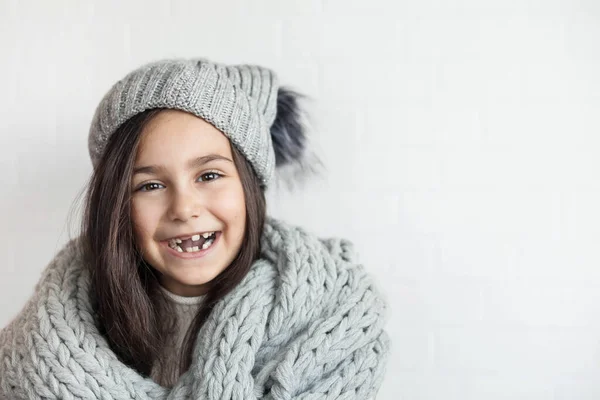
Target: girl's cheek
{"type": "Point", "coordinates": [141, 217]}
{"type": "Point", "coordinates": [135, 216]}
{"type": "Point", "coordinates": [230, 198]}
{"type": "Point", "coordinates": [142, 208]}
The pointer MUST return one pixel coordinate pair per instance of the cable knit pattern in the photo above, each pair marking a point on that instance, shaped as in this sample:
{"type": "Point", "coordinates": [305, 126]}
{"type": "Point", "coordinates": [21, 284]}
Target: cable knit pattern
{"type": "Point", "coordinates": [305, 323]}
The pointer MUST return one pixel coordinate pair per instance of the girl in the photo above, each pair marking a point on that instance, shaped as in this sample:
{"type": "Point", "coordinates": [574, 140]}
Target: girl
{"type": "Point", "coordinates": [179, 286]}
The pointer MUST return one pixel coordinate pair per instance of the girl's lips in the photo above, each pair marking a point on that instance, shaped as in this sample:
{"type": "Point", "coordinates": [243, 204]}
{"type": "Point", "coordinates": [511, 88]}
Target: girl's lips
{"type": "Point", "coordinates": [197, 254]}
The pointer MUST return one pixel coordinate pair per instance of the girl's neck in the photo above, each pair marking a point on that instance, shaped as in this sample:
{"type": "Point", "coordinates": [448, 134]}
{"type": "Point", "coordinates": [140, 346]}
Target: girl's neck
{"type": "Point", "coordinates": [193, 300]}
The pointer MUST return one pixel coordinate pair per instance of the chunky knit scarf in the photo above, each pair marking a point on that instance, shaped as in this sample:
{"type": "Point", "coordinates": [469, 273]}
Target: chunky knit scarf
{"type": "Point", "coordinates": [305, 323]}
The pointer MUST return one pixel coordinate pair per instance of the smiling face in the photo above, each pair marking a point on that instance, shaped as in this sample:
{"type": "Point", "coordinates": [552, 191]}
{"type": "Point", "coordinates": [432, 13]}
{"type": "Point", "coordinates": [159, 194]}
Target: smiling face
{"type": "Point", "coordinates": [186, 184]}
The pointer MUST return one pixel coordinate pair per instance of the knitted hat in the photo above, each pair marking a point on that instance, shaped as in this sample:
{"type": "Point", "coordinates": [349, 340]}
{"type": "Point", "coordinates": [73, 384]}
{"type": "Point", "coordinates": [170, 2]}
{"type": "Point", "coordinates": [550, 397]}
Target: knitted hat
{"type": "Point", "coordinates": [244, 102]}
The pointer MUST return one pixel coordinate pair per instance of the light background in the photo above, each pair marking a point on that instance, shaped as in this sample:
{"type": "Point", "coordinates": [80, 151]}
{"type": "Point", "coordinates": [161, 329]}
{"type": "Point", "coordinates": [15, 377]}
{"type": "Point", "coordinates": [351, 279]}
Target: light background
{"type": "Point", "coordinates": [461, 146]}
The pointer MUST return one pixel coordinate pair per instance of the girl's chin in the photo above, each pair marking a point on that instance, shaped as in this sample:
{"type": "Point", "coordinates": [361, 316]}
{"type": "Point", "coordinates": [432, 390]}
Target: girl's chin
{"type": "Point", "coordinates": [187, 284]}
{"type": "Point", "coordinates": [188, 278]}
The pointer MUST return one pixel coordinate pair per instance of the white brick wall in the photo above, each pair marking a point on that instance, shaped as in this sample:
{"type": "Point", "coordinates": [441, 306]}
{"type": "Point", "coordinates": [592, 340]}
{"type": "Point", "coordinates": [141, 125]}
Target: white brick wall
{"type": "Point", "coordinates": [461, 145]}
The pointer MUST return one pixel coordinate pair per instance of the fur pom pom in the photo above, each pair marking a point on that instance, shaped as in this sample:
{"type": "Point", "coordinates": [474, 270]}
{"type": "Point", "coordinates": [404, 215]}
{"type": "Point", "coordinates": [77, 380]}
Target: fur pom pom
{"type": "Point", "coordinates": [288, 132]}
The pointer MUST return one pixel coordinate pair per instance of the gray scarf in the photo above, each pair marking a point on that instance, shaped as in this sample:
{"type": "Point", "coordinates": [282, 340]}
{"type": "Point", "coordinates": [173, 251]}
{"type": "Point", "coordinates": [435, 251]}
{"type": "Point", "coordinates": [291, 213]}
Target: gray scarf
{"type": "Point", "coordinates": [305, 323]}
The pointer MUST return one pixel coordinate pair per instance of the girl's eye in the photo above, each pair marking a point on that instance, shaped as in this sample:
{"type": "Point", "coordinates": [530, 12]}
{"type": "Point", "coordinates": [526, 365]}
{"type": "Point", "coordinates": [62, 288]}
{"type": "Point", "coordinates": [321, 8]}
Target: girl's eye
{"type": "Point", "coordinates": [148, 187]}
{"type": "Point", "coordinates": [206, 177]}
{"type": "Point", "coordinates": [210, 176]}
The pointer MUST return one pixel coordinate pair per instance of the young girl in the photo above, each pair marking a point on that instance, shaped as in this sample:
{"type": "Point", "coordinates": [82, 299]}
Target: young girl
{"type": "Point", "coordinates": [179, 286]}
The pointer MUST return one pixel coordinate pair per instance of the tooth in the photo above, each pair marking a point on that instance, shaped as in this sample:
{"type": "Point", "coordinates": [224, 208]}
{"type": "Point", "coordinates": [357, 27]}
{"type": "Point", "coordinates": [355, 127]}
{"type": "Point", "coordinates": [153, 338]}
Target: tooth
{"type": "Point", "coordinates": [195, 248]}
{"type": "Point", "coordinates": [179, 249]}
{"type": "Point", "coordinates": [177, 241]}
{"type": "Point", "coordinates": [206, 235]}
{"type": "Point", "coordinates": [205, 245]}
{"type": "Point", "coordinates": [188, 250]}
{"type": "Point", "coordinates": [195, 237]}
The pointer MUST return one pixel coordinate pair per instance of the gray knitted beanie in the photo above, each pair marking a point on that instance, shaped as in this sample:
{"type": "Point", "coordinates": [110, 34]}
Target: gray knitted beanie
{"type": "Point", "coordinates": [244, 102]}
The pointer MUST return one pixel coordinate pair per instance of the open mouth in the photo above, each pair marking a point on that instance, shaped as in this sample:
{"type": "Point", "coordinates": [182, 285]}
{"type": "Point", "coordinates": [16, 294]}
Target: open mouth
{"type": "Point", "coordinates": [193, 244]}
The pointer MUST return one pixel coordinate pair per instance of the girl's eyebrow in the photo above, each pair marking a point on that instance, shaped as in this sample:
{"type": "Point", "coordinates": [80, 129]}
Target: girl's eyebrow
{"type": "Point", "coordinates": [193, 163]}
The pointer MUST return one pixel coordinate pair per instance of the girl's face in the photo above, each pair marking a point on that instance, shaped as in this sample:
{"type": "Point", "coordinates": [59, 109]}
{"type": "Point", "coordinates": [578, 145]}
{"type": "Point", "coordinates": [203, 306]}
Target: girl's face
{"type": "Point", "coordinates": [185, 186]}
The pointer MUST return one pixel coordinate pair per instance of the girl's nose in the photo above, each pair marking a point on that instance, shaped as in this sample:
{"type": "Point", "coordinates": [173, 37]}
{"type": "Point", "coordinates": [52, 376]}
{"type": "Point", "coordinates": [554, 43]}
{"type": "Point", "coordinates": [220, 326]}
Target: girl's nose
{"type": "Point", "coordinates": [184, 205]}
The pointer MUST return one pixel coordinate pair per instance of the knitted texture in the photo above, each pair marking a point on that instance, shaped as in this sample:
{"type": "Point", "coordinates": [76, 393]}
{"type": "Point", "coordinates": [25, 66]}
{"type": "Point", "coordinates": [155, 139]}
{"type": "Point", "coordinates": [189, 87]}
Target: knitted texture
{"type": "Point", "coordinates": [239, 100]}
{"type": "Point", "coordinates": [305, 323]}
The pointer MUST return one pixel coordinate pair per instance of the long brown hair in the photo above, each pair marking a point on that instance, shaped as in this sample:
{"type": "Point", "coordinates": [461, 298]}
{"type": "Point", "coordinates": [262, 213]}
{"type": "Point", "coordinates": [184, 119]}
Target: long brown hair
{"type": "Point", "coordinates": [132, 311]}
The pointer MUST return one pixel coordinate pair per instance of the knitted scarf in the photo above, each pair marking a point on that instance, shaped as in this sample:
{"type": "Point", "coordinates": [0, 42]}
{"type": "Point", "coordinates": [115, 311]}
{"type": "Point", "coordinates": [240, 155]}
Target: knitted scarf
{"type": "Point", "coordinates": [305, 323]}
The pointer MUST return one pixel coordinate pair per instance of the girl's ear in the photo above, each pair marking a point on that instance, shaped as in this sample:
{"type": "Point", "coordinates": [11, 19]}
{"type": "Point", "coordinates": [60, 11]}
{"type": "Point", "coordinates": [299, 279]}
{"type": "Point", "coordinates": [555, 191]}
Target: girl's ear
{"type": "Point", "coordinates": [288, 132]}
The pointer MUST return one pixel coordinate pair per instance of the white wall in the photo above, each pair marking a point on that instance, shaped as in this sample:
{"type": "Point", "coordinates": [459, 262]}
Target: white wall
{"type": "Point", "coordinates": [461, 141]}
